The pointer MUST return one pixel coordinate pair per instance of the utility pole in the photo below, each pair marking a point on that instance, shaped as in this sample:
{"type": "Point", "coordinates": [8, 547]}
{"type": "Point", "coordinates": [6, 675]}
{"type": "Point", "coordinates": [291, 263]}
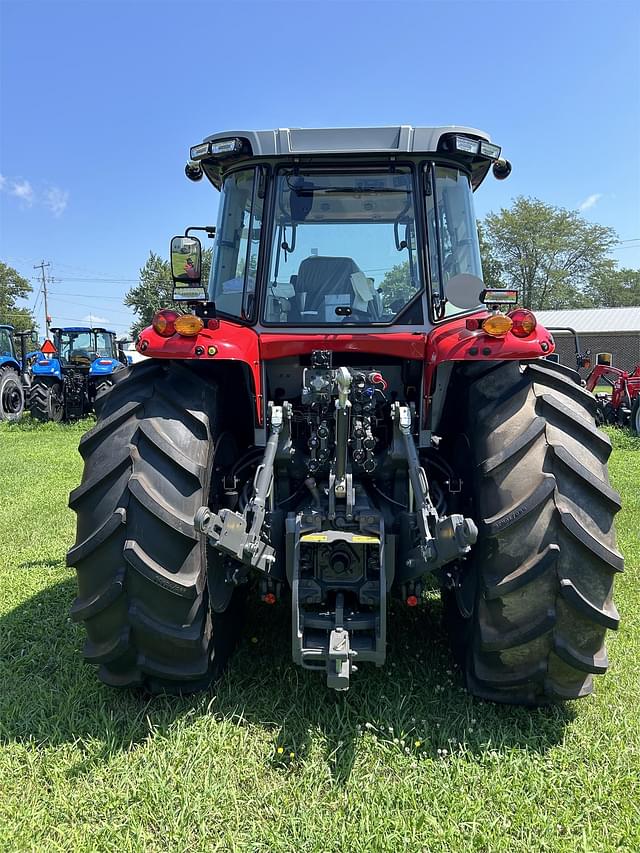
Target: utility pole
{"type": "Point", "coordinates": [41, 267]}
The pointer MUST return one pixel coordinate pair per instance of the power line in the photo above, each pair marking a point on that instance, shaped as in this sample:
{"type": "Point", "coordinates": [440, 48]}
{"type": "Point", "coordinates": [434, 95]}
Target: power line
{"type": "Point", "coordinates": [57, 293]}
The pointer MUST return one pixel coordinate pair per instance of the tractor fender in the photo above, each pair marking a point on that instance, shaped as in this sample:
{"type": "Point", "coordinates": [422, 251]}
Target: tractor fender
{"type": "Point", "coordinates": [47, 368]}
{"type": "Point", "coordinates": [104, 367]}
{"type": "Point", "coordinates": [219, 342]}
{"type": "Point", "coordinates": [458, 340]}
{"type": "Point", "coordinates": [8, 361]}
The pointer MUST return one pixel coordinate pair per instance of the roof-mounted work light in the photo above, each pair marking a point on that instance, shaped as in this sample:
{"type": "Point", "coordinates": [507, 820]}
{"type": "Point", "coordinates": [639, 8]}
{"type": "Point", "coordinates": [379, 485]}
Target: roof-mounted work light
{"type": "Point", "coordinates": [218, 148]}
{"type": "Point", "coordinates": [488, 149]}
{"type": "Point", "coordinates": [466, 145]}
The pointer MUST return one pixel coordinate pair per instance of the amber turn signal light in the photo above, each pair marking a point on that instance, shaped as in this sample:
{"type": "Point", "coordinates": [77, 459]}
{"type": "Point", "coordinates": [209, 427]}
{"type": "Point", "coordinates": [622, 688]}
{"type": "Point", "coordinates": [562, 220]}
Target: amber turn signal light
{"type": "Point", "coordinates": [524, 322]}
{"type": "Point", "coordinates": [497, 325]}
{"type": "Point", "coordinates": [188, 325]}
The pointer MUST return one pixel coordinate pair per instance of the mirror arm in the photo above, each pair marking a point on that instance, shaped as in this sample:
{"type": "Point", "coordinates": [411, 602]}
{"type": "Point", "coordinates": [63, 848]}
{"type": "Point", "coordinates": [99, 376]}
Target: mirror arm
{"type": "Point", "coordinates": [204, 310]}
{"type": "Point", "coordinates": [210, 229]}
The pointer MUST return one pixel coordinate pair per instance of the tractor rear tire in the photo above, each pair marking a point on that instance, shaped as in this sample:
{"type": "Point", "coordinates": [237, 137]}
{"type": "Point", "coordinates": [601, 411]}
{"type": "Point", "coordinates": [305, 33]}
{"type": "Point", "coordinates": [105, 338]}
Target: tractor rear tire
{"type": "Point", "coordinates": [529, 616]}
{"type": "Point", "coordinates": [635, 416]}
{"type": "Point", "coordinates": [11, 395]}
{"type": "Point", "coordinates": [142, 568]}
{"type": "Point", "coordinates": [102, 387]}
{"type": "Point", "coordinates": [45, 401]}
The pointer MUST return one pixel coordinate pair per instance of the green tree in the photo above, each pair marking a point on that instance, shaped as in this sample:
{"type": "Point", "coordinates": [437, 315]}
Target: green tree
{"type": "Point", "coordinates": [13, 287]}
{"type": "Point", "coordinates": [491, 266]}
{"type": "Point", "coordinates": [613, 288]}
{"type": "Point", "coordinates": [396, 287]}
{"type": "Point", "coordinates": [155, 289]}
{"type": "Point", "coordinates": [547, 253]}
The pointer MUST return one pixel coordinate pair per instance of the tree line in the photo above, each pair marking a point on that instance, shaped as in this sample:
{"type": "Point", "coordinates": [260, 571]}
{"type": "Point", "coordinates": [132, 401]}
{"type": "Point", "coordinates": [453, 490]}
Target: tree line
{"type": "Point", "coordinates": [554, 258]}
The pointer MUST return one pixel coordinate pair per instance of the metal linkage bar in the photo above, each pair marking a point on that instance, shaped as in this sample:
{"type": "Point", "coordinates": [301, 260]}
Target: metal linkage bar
{"type": "Point", "coordinates": [343, 407]}
{"type": "Point", "coordinates": [425, 510]}
{"type": "Point", "coordinates": [241, 536]}
{"type": "Point", "coordinates": [442, 538]}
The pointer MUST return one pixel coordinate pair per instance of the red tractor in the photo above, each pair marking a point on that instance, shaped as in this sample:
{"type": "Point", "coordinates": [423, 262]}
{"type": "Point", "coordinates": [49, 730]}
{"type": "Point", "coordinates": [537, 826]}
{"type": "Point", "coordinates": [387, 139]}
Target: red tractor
{"type": "Point", "coordinates": [346, 415]}
{"type": "Point", "coordinates": [621, 406]}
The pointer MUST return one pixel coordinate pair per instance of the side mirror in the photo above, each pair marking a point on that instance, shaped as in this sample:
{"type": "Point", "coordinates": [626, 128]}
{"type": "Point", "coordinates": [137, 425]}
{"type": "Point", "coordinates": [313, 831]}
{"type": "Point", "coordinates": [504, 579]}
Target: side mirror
{"type": "Point", "coordinates": [464, 291]}
{"type": "Point", "coordinates": [186, 269]}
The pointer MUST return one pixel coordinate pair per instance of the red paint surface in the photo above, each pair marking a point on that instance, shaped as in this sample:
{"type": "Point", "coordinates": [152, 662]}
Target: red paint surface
{"type": "Point", "coordinates": [451, 341]}
{"type": "Point", "coordinates": [233, 343]}
{"type": "Point", "coordinates": [401, 344]}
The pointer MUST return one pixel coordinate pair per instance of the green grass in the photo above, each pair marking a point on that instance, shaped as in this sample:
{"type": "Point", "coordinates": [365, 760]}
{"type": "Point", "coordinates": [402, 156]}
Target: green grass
{"type": "Point", "coordinates": [404, 761]}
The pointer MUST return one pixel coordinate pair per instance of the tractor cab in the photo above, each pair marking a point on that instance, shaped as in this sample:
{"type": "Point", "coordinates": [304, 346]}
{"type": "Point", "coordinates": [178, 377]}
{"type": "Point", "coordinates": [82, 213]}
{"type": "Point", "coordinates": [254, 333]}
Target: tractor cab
{"type": "Point", "coordinates": [82, 347]}
{"type": "Point", "coordinates": [340, 229]}
{"type": "Point", "coordinates": [7, 349]}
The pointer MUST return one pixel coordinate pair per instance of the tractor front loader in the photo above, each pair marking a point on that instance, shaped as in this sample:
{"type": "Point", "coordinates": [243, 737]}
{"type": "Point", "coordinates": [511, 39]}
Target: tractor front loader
{"type": "Point", "coordinates": [345, 415]}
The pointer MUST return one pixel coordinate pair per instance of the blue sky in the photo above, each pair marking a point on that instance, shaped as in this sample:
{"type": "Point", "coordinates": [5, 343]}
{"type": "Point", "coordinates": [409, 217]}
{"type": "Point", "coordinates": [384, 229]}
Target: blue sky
{"type": "Point", "coordinates": [100, 102]}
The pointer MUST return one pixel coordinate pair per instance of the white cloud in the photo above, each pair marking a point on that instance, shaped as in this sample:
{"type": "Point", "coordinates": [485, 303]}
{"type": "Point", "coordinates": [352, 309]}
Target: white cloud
{"type": "Point", "coordinates": [22, 190]}
{"type": "Point", "coordinates": [56, 200]}
{"type": "Point", "coordinates": [53, 198]}
{"type": "Point", "coordinates": [92, 319]}
{"type": "Point", "coordinates": [590, 201]}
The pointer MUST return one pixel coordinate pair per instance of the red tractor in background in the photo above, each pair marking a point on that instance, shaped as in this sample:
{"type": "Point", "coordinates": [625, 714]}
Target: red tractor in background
{"type": "Point", "coordinates": [622, 405]}
{"type": "Point", "coordinates": [346, 415]}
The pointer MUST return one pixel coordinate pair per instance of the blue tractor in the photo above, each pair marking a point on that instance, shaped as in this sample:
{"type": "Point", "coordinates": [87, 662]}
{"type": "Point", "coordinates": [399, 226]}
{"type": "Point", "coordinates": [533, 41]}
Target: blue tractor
{"type": "Point", "coordinates": [72, 371]}
{"type": "Point", "coordinates": [11, 387]}
{"type": "Point", "coordinates": [15, 372]}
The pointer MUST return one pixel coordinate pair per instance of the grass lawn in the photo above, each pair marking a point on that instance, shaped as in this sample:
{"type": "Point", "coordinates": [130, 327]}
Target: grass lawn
{"type": "Point", "coordinates": [270, 760]}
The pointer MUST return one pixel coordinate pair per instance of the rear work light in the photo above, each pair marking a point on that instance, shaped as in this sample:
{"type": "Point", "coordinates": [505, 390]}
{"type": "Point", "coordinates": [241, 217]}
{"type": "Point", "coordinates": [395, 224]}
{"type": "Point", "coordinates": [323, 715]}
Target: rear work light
{"type": "Point", "coordinates": [497, 325]}
{"type": "Point", "coordinates": [524, 322]}
{"type": "Point", "coordinates": [164, 322]}
{"type": "Point", "coordinates": [188, 325]}
{"type": "Point", "coordinates": [488, 149]}
{"type": "Point", "coordinates": [218, 148]}
{"type": "Point", "coordinates": [468, 146]}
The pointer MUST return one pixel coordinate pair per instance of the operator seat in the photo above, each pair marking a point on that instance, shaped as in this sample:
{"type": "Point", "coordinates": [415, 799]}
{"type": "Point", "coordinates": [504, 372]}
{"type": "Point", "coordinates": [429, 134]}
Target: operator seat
{"type": "Point", "coordinates": [83, 354]}
{"type": "Point", "coordinates": [320, 277]}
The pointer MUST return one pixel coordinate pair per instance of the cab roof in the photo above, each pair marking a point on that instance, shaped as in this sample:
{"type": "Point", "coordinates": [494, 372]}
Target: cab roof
{"type": "Point", "coordinates": [394, 139]}
{"type": "Point", "coordinates": [234, 146]}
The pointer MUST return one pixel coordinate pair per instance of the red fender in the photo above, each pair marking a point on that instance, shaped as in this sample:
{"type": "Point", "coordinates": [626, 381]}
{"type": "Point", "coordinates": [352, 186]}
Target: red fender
{"type": "Point", "coordinates": [224, 342]}
{"type": "Point", "coordinates": [455, 341]}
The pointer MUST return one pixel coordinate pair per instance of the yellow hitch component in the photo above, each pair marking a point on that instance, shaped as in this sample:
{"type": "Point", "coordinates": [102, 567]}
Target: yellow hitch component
{"type": "Point", "coordinates": [188, 325]}
{"type": "Point", "coordinates": [497, 325]}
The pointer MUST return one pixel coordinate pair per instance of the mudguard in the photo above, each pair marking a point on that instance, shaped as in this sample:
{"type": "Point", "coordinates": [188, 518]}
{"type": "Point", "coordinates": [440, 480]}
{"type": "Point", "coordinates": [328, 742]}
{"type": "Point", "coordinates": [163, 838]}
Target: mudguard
{"type": "Point", "coordinates": [47, 368]}
{"type": "Point", "coordinates": [104, 367]}
{"type": "Point", "coordinates": [219, 341]}
{"type": "Point", "coordinates": [8, 361]}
